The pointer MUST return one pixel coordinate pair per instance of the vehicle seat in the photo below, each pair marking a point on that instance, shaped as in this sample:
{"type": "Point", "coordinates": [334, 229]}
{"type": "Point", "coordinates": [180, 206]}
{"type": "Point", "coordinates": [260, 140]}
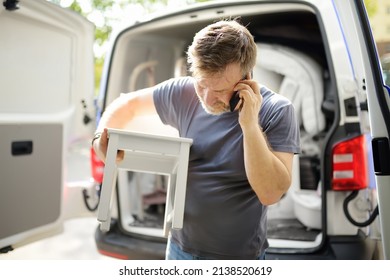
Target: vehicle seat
{"type": "Point", "coordinates": [299, 78]}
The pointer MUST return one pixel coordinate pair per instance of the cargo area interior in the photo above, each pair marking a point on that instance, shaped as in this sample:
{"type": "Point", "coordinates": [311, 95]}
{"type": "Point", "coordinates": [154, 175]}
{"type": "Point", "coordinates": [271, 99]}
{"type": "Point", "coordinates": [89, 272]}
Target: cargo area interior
{"type": "Point", "coordinates": [291, 61]}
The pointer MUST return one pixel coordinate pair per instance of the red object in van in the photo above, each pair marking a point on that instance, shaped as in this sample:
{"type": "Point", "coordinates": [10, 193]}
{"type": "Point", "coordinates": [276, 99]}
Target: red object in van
{"type": "Point", "coordinates": [97, 167]}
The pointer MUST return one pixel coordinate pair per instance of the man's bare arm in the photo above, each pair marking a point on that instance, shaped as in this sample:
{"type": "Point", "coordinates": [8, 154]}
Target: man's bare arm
{"type": "Point", "coordinates": [119, 113]}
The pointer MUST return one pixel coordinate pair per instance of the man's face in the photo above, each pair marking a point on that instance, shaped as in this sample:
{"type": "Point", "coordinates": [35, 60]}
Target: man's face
{"type": "Point", "coordinates": [214, 92]}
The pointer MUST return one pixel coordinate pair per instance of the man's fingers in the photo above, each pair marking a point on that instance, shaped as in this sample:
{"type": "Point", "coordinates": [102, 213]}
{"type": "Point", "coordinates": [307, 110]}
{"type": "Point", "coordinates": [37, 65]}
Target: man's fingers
{"type": "Point", "coordinates": [104, 137]}
{"type": "Point", "coordinates": [104, 146]}
{"type": "Point", "coordinates": [120, 155]}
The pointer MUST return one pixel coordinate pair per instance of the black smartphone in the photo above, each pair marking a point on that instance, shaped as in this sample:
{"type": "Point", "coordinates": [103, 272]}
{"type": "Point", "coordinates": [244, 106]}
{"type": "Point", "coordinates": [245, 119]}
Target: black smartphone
{"type": "Point", "coordinates": [234, 101]}
{"type": "Point", "coordinates": [236, 96]}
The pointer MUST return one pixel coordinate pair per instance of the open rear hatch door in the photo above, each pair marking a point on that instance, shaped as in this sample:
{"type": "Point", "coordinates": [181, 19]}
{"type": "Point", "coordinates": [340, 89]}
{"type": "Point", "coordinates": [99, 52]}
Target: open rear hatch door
{"type": "Point", "coordinates": [369, 79]}
{"type": "Point", "coordinates": [46, 67]}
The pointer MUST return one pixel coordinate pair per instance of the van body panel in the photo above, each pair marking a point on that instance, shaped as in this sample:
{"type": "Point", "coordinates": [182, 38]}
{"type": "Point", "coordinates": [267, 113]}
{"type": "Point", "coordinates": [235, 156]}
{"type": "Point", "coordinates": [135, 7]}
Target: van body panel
{"type": "Point", "coordinates": [46, 77]}
{"type": "Point", "coordinates": [365, 61]}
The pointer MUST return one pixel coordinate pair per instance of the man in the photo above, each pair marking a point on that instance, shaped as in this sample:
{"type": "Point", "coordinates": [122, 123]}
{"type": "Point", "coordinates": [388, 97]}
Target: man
{"type": "Point", "coordinates": [240, 160]}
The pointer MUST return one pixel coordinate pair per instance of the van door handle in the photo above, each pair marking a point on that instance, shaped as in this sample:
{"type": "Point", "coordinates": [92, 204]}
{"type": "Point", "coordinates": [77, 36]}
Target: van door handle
{"type": "Point", "coordinates": [19, 148]}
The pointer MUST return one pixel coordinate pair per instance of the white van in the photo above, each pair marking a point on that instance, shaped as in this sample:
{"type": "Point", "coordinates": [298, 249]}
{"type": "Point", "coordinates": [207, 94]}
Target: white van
{"type": "Point", "coordinates": [319, 54]}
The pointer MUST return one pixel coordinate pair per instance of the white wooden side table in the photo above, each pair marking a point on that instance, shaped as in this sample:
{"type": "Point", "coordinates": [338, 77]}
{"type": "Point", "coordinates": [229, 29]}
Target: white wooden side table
{"type": "Point", "coordinates": [152, 154]}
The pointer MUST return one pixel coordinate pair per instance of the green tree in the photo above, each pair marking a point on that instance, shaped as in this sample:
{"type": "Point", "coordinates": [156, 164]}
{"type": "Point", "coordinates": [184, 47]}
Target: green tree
{"type": "Point", "coordinates": [371, 7]}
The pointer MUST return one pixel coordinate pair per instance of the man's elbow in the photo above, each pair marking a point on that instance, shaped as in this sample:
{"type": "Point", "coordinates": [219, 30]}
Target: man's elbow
{"type": "Point", "coordinates": [274, 195]}
{"type": "Point", "coordinates": [268, 200]}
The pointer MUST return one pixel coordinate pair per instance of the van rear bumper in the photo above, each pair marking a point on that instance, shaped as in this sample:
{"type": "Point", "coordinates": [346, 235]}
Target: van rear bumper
{"type": "Point", "coordinates": [119, 245]}
{"type": "Point", "coordinates": [136, 247]}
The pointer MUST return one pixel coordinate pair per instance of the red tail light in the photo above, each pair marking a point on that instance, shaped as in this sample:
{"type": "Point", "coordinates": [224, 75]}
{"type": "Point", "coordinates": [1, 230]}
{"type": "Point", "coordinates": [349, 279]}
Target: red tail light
{"type": "Point", "coordinates": [350, 170]}
{"type": "Point", "coordinates": [97, 167]}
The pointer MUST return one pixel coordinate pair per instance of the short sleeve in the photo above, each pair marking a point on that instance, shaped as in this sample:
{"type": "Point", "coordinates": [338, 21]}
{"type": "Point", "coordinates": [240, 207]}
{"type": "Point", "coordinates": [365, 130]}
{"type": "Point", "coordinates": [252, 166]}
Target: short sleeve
{"type": "Point", "coordinates": [174, 100]}
{"type": "Point", "coordinates": [279, 122]}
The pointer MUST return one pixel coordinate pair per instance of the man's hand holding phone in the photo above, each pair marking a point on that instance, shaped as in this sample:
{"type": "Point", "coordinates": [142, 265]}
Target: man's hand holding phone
{"type": "Point", "coordinates": [247, 99]}
{"type": "Point", "coordinates": [235, 99]}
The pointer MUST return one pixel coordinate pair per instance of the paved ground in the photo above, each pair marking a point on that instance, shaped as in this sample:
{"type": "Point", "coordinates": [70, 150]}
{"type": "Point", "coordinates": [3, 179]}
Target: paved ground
{"type": "Point", "coordinates": [75, 243]}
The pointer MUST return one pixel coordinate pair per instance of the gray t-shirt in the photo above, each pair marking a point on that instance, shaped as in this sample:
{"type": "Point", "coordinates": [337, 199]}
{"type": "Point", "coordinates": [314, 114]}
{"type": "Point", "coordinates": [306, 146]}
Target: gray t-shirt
{"type": "Point", "coordinates": [223, 217]}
